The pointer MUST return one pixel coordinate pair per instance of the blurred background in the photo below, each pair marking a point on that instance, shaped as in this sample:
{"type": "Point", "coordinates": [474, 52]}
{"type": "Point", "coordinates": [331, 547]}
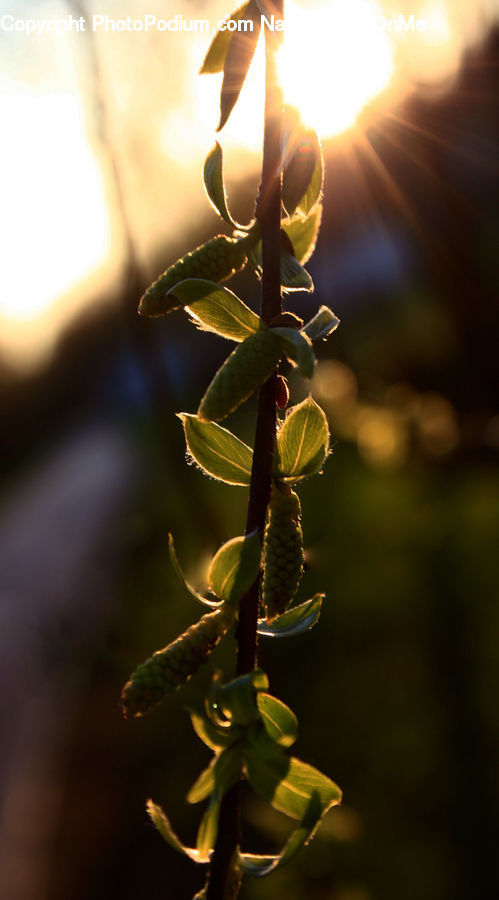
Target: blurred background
{"type": "Point", "coordinates": [103, 139]}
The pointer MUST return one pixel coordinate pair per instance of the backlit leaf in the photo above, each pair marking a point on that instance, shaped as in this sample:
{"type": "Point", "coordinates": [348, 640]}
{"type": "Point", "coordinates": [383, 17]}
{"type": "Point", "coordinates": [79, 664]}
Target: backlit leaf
{"type": "Point", "coordinates": [294, 621]}
{"type": "Point", "coordinates": [217, 51]}
{"type": "Point", "coordinates": [237, 62]}
{"type": "Point", "coordinates": [253, 864]}
{"type": "Point", "coordinates": [223, 771]}
{"type": "Point", "coordinates": [314, 191]}
{"type": "Point", "coordinates": [214, 738]}
{"type": "Point", "coordinates": [217, 451]}
{"type": "Point", "coordinates": [235, 567]}
{"type": "Point", "coordinates": [162, 823]}
{"type": "Point", "coordinates": [287, 783]}
{"type": "Point", "coordinates": [214, 184]}
{"type": "Point", "coordinates": [300, 178]}
{"type": "Point", "coordinates": [185, 584]}
{"type": "Point", "coordinates": [279, 720]}
{"type": "Point", "coordinates": [217, 309]}
{"type": "Point", "coordinates": [207, 833]}
{"type": "Point", "coordinates": [237, 698]}
{"type": "Point", "coordinates": [302, 441]}
{"type": "Point", "coordinates": [298, 348]}
{"type": "Point", "coordinates": [322, 324]}
{"type": "Point", "coordinates": [293, 276]}
{"type": "Point", "coordinates": [303, 232]}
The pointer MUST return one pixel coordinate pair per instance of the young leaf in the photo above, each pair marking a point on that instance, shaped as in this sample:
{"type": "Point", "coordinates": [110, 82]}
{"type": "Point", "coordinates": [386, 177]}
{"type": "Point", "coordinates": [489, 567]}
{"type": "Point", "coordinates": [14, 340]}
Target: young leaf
{"type": "Point", "coordinates": [287, 783]}
{"type": "Point", "coordinates": [248, 366]}
{"type": "Point", "coordinates": [214, 184]}
{"type": "Point", "coordinates": [208, 828]}
{"type": "Point", "coordinates": [217, 309]}
{"type": "Point", "coordinates": [214, 738]}
{"type": "Point", "coordinates": [235, 567]}
{"type": "Point", "coordinates": [293, 276]}
{"type": "Point", "coordinates": [303, 232]}
{"type": "Point", "coordinates": [291, 128]}
{"type": "Point", "coordinates": [217, 51]}
{"type": "Point", "coordinates": [302, 442]}
{"type": "Point", "coordinates": [295, 620]}
{"type": "Point", "coordinates": [217, 451]}
{"type": "Point", "coordinates": [252, 864]}
{"type": "Point", "coordinates": [298, 347]}
{"type": "Point", "coordinates": [300, 178]}
{"type": "Point", "coordinates": [322, 324]}
{"type": "Point", "coordinates": [185, 584]}
{"type": "Point", "coordinates": [313, 193]}
{"type": "Point", "coordinates": [237, 62]}
{"type": "Point", "coordinates": [295, 791]}
{"type": "Point", "coordinates": [279, 720]}
{"type": "Point", "coordinates": [204, 784]}
{"type": "Point", "coordinates": [162, 823]}
{"type": "Point", "coordinates": [237, 698]}
{"type": "Point", "coordinates": [223, 771]}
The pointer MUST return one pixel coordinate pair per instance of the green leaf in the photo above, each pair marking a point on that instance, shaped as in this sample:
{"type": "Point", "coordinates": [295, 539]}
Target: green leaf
{"type": "Point", "coordinates": [217, 51]}
{"type": "Point", "coordinates": [322, 324]}
{"type": "Point", "coordinates": [214, 737]}
{"type": "Point", "coordinates": [208, 828]}
{"type": "Point", "coordinates": [162, 823]}
{"type": "Point", "coordinates": [313, 193]}
{"type": "Point", "coordinates": [223, 771]}
{"type": "Point", "coordinates": [214, 184]}
{"type": "Point", "coordinates": [293, 276]}
{"type": "Point", "coordinates": [237, 698]}
{"type": "Point", "coordinates": [185, 584]}
{"type": "Point", "coordinates": [217, 451]}
{"type": "Point", "coordinates": [253, 864]}
{"type": "Point", "coordinates": [300, 178]}
{"type": "Point", "coordinates": [279, 720]}
{"type": "Point", "coordinates": [204, 784]}
{"type": "Point", "coordinates": [302, 442]}
{"type": "Point", "coordinates": [287, 783]}
{"type": "Point", "coordinates": [294, 621]}
{"type": "Point", "coordinates": [217, 309]}
{"type": "Point", "coordinates": [298, 348]}
{"type": "Point", "coordinates": [235, 567]}
{"type": "Point", "coordinates": [303, 232]}
{"type": "Point", "coordinates": [294, 792]}
{"type": "Point", "coordinates": [237, 62]}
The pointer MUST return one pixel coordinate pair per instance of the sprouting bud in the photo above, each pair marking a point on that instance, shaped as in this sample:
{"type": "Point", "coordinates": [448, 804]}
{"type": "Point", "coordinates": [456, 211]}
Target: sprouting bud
{"type": "Point", "coordinates": [282, 551]}
{"type": "Point", "coordinates": [217, 260]}
{"type": "Point", "coordinates": [171, 667]}
{"type": "Point", "coordinates": [281, 392]}
{"type": "Point", "coordinates": [248, 366]}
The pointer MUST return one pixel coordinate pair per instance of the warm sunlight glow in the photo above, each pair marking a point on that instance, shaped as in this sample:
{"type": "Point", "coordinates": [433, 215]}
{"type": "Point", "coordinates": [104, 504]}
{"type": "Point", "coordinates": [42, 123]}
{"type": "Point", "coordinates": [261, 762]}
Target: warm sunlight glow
{"type": "Point", "coordinates": [55, 227]}
{"type": "Point", "coordinates": [334, 60]}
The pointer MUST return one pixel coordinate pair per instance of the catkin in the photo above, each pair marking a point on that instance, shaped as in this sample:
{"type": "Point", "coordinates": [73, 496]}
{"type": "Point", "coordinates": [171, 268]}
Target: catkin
{"type": "Point", "coordinates": [282, 551]}
{"type": "Point", "coordinates": [248, 366]}
{"type": "Point", "coordinates": [171, 667]}
{"type": "Point", "coordinates": [217, 260]}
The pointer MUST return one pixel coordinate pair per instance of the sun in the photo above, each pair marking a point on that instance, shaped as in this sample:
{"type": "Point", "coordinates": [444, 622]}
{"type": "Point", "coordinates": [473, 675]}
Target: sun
{"type": "Point", "coordinates": [334, 60]}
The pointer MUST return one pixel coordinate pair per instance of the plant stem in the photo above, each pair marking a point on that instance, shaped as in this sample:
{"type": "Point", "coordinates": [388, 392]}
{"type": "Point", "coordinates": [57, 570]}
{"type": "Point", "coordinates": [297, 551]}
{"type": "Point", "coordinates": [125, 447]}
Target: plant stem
{"type": "Point", "coordinates": [223, 882]}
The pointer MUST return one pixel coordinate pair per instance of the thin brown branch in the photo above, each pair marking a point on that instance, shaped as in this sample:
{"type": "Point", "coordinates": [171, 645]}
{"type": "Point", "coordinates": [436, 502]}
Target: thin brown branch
{"type": "Point", "coordinates": [223, 883]}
